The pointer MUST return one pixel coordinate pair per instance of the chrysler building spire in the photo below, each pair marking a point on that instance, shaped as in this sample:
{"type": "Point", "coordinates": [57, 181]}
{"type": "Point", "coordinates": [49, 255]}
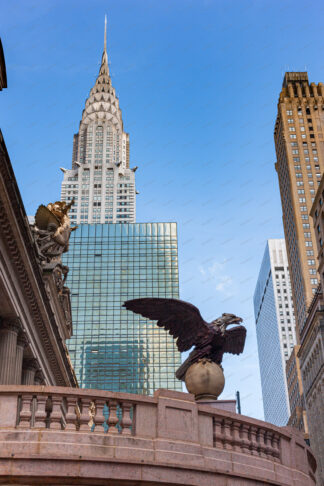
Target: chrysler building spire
{"type": "Point", "coordinates": [104, 60]}
{"type": "Point", "coordinates": [101, 181]}
{"type": "Point", "coordinates": [105, 38]}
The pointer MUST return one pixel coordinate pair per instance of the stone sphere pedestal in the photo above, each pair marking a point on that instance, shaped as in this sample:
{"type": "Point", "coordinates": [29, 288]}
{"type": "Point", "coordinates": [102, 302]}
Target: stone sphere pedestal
{"type": "Point", "coordinates": [205, 379]}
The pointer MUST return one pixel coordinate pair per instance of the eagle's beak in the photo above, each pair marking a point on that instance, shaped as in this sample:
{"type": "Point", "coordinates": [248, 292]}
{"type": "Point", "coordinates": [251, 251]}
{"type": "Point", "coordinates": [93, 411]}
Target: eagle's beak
{"type": "Point", "coordinates": [236, 320]}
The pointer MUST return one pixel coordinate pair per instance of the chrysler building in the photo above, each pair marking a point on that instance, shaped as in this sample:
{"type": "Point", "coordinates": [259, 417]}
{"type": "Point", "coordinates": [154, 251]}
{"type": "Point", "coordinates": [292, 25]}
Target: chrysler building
{"type": "Point", "coordinates": [101, 181]}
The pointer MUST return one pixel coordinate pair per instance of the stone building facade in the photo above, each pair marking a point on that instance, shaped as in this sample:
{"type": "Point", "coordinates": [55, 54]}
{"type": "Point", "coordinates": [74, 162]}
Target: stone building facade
{"type": "Point", "coordinates": [311, 353]}
{"type": "Point", "coordinates": [35, 315]}
{"type": "Point", "coordinates": [298, 417]}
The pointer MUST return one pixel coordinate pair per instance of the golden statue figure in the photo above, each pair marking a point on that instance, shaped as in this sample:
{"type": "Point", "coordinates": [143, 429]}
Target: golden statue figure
{"type": "Point", "coordinates": [52, 230]}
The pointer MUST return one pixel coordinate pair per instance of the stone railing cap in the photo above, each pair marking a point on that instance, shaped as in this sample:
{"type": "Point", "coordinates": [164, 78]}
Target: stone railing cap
{"type": "Point", "coordinates": [176, 395]}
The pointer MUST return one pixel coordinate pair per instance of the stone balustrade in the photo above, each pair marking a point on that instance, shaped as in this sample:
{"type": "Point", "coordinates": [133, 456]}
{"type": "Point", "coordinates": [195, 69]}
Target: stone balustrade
{"type": "Point", "coordinates": [63, 411]}
{"type": "Point", "coordinates": [237, 435]}
{"type": "Point", "coordinates": [168, 438]}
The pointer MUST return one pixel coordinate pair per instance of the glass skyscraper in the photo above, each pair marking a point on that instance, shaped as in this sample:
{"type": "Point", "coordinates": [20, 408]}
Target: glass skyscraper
{"type": "Point", "coordinates": [112, 348]}
{"type": "Point", "coordinates": [275, 329]}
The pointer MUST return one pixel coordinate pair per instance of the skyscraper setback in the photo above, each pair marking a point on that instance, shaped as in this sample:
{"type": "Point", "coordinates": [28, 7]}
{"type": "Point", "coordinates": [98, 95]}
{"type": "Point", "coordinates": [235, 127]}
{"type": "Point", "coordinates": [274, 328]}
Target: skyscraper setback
{"type": "Point", "coordinates": [101, 181]}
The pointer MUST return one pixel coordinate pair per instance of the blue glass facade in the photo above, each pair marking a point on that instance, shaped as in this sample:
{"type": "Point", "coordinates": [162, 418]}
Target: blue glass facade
{"type": "Point", "coordinates": [112, 348]}
{"type": "Point", "coordinates": [275, 325]}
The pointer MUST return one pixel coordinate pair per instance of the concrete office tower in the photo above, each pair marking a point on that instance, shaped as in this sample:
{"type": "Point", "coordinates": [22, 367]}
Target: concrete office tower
{"type": "Point", "coordinates": [112, 348]}
{"type": "Point", "coordinates": [275, 327]}
{"type": "Point", "coordinates": [101, 181]}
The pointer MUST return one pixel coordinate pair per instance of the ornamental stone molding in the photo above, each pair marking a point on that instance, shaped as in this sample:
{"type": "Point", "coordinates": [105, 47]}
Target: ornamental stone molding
{"type": "Point", "coordinates": [20, 256]}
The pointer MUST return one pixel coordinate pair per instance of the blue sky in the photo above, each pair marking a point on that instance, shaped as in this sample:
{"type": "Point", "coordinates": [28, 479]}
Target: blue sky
{"type": "Point", "coordinates": [198, 83]}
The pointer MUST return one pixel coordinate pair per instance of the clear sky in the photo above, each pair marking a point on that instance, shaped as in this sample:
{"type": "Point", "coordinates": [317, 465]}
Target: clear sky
{"type": "Point", "coordinates": [198, 83]}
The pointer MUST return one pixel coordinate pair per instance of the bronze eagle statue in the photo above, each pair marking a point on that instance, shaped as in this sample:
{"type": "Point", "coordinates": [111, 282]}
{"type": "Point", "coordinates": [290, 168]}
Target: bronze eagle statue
{"type": "Point", "coordinates": [185, 324]}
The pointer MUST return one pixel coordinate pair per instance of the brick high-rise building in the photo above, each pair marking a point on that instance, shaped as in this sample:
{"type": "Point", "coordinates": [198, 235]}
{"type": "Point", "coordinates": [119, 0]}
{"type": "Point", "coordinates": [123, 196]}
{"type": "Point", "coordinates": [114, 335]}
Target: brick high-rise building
{"type": "Point", "coordinates": [299, 141]}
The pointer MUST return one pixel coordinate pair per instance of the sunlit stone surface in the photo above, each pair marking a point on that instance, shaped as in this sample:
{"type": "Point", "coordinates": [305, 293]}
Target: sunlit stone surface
{"type": "Point", "coordinates": [64, 436]}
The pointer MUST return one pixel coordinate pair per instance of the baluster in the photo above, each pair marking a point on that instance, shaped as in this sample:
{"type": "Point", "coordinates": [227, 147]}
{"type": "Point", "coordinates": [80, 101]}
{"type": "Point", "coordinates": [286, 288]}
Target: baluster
{"type": "Point", "coordinates": [271, 445]}
{"type": "Point", "coordinates": [92, 412]}
{"type": "Point", "coordinates": [236, 436]}
{"type": "Point", "coordinates": [25, 412]}
{"type": "Point", "coordinates": [71, 418]}
{"type": "Point", "coordinates": [276, 447]}
{"type": "Point", "coordinates": [218, 433]}
{"type": "Point", "coordinates": [85, 414]}
{"type": "Point", "coordinates": [267, 441]}
{"type": "Point", "coordinates": [262, 441]}
{"type": "Point", "coordinates": [228, 434]}
{"type": "Point", "coordinates": [56, 415]}
{"type": "Point", "coordinates": [126, 422]}
{"type": "Point", "coordinates": [245, 444]}
{"type": "Point", "coordinates": [254, 443]}
{"type": "Point", "coordinates": [40, 414]}
{"type": "Point", "coordinates": [99, 418]}
{"type": "Point", "coordinates": [64, 411]}
{"type": "Point", "coordinates": [33, 411]}
{"type": "Point", "coordinates": [78, 413]}
{"type": "Point", "coordinates": [112, 418]}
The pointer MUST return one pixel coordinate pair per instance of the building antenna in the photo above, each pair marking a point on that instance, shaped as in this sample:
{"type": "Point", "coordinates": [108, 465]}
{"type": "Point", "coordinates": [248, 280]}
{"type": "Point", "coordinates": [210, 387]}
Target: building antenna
{"type": "Point", "coordinates": [238, 401]}
{"type": "Point", "coordinates": [105, 37]}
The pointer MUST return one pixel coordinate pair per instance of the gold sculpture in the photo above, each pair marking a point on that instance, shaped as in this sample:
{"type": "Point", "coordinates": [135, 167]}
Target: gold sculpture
{"type": "Point", "coordinates": [52, 230]}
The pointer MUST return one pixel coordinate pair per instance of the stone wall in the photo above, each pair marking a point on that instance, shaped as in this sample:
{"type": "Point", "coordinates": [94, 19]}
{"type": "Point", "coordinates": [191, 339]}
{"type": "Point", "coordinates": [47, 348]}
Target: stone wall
{"type": "Point", "coordinates": [52, 435]}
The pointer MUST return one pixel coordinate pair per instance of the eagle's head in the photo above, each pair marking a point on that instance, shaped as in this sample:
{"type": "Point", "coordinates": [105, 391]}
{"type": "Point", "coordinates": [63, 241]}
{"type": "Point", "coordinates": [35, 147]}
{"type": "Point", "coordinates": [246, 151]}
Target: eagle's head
{"type": "Point", "coordinates": [226, 320]}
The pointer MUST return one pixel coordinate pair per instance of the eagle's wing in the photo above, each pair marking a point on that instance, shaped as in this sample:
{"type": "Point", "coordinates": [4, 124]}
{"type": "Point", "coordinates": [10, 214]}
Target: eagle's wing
{"type": "Point", "coordinates": [181, 319]}
{"type": "Point", "coordinates": [44, 216]}
{"type": "Point", "coordinates": [234, 340]}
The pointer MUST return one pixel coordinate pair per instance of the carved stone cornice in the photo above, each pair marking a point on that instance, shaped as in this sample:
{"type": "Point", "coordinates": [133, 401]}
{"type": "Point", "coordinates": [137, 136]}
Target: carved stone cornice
{"type": "Point", "coordinates": [38, 304]}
